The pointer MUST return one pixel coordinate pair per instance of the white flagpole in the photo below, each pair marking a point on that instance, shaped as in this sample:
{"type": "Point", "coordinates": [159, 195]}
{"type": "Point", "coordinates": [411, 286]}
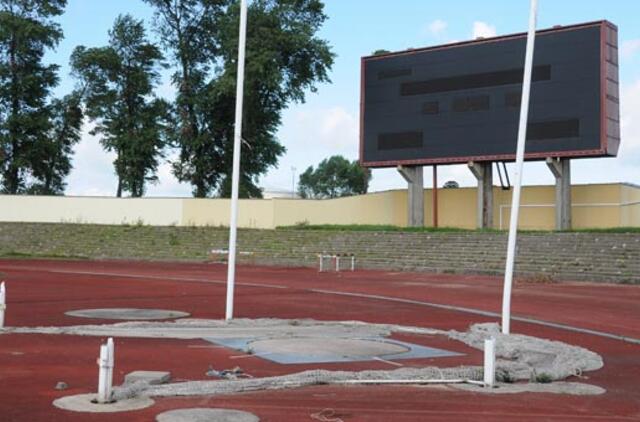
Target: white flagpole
{"type": "Point", "coordinates": [235, 182]}
{"type": "Point", "coordinates": [515, 200]}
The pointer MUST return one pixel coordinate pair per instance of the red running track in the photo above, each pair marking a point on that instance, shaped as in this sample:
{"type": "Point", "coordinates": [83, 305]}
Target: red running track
{"type": "Point", "coordinates": [39, 292]}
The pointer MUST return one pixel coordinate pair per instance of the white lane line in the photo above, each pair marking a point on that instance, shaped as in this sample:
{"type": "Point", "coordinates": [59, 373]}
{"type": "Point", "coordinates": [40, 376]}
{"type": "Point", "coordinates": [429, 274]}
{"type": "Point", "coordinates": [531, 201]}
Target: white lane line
{"type": "Point", "coordinates": [252, 355]}
{"type": "Point", "coordinates": [387, 361]}
{"type": "Point", "coordinates": [148, 277]}
{"type": "Point", "coordinates": [472, 311]}
{"type": "Point", "coordinates": [486, 314]}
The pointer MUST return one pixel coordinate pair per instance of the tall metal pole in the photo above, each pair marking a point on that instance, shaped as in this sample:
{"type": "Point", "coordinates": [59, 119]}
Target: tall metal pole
{"type": "Point", "coordinates": [235, 181]}
{"type": "Point", "coordinates": [434, 196]}
{"type": "Point", "coordinates": [515, 200]}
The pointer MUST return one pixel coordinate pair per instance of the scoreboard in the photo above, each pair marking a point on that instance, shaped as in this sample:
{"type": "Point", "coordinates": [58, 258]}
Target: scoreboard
{"type": "Point", "coordinates": [460, 102]}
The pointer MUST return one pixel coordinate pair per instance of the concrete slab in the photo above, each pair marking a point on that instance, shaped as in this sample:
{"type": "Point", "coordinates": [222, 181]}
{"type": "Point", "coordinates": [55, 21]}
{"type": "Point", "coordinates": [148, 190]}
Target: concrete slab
{"type": "Point", "coordinates": [129, 314]}
{"type": "Point", "coordinates": [150, 377]}
{"type": "Point", "coordinates": [294, 350]}
{"type": "Point", "coordinates": [206, 415]}
{"type": "Point", "coordinates": [326, 348]}
{"type": "Point", "coordinates": [84, 403]}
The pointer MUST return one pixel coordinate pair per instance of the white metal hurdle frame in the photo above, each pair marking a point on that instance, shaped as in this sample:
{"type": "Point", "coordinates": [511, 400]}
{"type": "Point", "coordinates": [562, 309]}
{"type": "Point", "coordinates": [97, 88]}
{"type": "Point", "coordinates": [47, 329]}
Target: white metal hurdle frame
{"type": "Point", "coordinates": [336, 258]}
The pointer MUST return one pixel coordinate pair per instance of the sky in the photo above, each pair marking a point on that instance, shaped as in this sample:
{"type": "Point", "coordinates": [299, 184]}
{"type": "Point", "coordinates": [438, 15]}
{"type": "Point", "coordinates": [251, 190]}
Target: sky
{"type": "Point", "coordinates": [327, 123]}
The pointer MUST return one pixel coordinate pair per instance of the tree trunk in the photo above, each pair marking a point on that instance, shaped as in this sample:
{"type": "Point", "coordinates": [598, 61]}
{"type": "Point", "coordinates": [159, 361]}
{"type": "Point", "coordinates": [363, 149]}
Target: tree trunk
{"type": "Point", "coordinates": [12, 177]}
{"type": "Point", "coordinates": [201, 191]}
{"type": "Point", "coordinates": [190, 120]}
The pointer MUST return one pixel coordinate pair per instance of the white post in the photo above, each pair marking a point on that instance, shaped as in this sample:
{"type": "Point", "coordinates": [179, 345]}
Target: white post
{"type": "Point", "coordinates": [104, 374]}
{"type": "Point", "coordinates": [515, 200]}
{"type": "Point", "coordinates": [489, 362]}
{"type": "Point", "coordinates": [3, 303]}
{"type": "Point", "coordinates": [338, 263]}
{"type": "Point", "coordinates": [353, 262]}
{"type": "Point", "coordinates": [235, 182]}
{"type": "Point", "coordinates": [110, 364]}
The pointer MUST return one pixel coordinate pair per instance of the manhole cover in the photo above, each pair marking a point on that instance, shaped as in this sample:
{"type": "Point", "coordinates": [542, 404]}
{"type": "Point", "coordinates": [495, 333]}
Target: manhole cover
{"type": "Point", "coordinates": [127, 313]}
{"type": "Point", "coordinates": [206, 415]}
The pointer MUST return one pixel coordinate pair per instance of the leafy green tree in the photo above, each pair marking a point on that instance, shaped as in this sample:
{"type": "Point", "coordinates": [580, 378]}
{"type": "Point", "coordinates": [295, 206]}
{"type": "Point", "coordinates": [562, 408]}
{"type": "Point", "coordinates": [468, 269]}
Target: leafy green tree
{"type": "Point", "coordinates": [335, 177]}
{"type": "Point", "coordinates": [52, 159]}
{"type": "Point", "coordinates": [285, 59]}
{"type": "Point", "coordinates": [36, 133]}
{"type": "Point", "coordinates": [188, 30]}
{"type": "Point", "coordinates": [117, 83]}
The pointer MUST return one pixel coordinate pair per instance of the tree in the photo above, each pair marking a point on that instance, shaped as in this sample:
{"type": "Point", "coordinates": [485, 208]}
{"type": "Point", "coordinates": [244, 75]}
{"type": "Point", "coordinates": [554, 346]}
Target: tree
{"type": "Point", "coordinates": [117, 83]}
{"type": "Point", "coordinates": [335, 177]}
{"type": "Point", "coordinates": [36, 133]}
{"type": "Point", "coordinates": [52, 159]}
{"type": "Point", "coordinates": [188, 29]}
{"type": "Point", "coordinates": [285, 58]}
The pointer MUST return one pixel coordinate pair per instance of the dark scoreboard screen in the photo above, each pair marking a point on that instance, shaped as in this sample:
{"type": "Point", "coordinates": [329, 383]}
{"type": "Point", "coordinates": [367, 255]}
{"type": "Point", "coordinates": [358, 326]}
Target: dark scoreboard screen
{"type": "Point", "coordinates": [461, 102]}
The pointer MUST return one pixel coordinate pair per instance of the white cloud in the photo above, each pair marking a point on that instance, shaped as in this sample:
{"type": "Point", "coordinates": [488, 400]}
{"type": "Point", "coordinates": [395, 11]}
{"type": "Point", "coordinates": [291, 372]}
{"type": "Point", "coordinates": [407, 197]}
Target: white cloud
{"type": "Point", "coordinates": [166, 90]}
{"type": "Point", "coordinates": [436, 28]}
{"type": "Point", "coordinates": [167, 184]}
{"type": "Point", "coordinates": [629, 48]}
{"type": "Point", "coordinates": [630, 121]}
{"type": "Point", "coordinates": [310, 134]}
{"type": "Point", "coordinates": [92, 173]}
{"type": "Point", "coordinates": [332, 127]}
{"type": "Point", "coordinates": [483, 29]}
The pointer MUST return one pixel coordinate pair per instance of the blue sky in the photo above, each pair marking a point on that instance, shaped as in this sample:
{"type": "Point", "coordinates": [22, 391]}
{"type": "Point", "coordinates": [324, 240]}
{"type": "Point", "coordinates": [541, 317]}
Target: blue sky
{"type": "Point", "coordinates": [327, 123]}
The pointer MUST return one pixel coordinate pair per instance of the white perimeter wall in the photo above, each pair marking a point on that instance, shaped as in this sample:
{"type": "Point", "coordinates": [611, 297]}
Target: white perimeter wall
{"type": "Point", "coordinates": [605, 205]}
{"type": "Point", "coordinates": [91, 210]}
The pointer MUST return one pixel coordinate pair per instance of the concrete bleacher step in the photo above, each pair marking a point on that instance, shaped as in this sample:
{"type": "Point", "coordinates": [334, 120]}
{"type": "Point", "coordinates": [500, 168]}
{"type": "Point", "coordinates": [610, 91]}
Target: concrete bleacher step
{"type": "Point", "coordinates": [592, 256]}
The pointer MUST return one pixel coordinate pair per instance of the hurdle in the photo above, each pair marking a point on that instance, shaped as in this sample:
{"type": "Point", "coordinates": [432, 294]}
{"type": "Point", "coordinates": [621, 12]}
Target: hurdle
{"type": "Point", "coordinates": [336, 261]}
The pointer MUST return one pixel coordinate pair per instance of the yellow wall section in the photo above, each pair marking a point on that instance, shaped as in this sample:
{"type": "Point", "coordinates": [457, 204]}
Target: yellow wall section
{"type": "Point", "coordinates": [375, 208]}
{"type": "Point", "coordinates": [604, 205]}
{"type": "Point", "coordinates": [630, 210]}
{"type": "Point", "coordinates": [252, 213]}
{"type": "Point", "coordinates": [592, 206]}
{"type": "Point", "coordinates": [90, 210]}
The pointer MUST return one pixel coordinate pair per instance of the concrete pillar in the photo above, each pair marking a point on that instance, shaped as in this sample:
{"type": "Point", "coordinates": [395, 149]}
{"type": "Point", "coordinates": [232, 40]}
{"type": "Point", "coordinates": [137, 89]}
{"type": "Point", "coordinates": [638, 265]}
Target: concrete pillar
{"type": "Point", "coordinates": [484, 174]}
{"type": "Point", "coordinates": [415, 179]}
{"type": "Point", "coordinates": [561, 169]}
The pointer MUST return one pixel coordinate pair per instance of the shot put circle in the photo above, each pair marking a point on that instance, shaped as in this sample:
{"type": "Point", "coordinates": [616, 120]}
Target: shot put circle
{"type": "Point", "coordinates": [128, 314]}
{"type": "Point", "coordinates": [327, 347]}
{"type": "Point", "coordinates": [206, 415]}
